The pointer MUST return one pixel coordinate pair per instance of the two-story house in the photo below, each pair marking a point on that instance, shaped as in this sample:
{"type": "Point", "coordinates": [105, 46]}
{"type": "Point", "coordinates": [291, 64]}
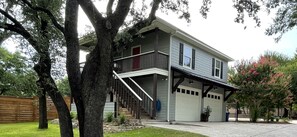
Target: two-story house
{"type": "Point", "coordinates": [177, 75]}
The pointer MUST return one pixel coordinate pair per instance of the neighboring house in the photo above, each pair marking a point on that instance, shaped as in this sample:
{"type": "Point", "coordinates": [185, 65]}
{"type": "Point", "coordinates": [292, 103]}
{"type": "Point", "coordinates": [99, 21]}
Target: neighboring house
{"type": "Point", "coordinates": [180, 74]}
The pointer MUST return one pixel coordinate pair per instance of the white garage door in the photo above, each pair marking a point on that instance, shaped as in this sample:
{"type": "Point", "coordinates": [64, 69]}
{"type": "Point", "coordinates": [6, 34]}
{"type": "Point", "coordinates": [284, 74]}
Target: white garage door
{"type": "Point", "coordinates": [214, 101]}
{"type": "Point", "coordinates": [187, 104]}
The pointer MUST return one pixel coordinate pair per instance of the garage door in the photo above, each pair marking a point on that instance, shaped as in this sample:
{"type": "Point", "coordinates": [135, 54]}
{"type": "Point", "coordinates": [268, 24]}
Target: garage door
{"type": "Point", "coordinates": [214, 101]}
{"type": "Point", "coordinates": [187, 104]}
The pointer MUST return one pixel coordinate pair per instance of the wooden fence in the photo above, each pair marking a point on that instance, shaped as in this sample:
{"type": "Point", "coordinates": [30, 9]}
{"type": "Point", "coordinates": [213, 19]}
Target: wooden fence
{"type": "Point", "coordinates": [19, 109]}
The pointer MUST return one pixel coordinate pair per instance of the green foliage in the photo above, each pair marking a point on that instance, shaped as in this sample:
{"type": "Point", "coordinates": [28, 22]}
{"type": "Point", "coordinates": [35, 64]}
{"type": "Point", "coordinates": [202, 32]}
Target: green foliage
{"type": "Point", "coordinates": [63, 86]}
{"type": "Point", "coordinates": [109, 117]}
{"type": "Point", "coordinates": [16, 77]}
{"type": "Point", "coordinates": [122, 118]}
{"type": "Point", "coordinates": [262, 87]}
{"type": "Point", "coordinates": [73, 115]}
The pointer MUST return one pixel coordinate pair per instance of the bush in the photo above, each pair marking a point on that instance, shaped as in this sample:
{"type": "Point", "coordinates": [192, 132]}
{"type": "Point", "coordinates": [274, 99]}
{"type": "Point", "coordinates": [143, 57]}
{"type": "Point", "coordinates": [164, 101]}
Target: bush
{"type": "Point", "coordinates": [122, 119]}
{"type": "Point", "coordinates": [73, 115]}
{"type": "Point", "coordinates": [109, 117]}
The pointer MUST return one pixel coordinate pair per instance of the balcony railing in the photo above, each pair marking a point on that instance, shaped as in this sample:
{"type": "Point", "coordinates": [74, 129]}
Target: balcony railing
{"type": "Point", "coordinates": [141, 61]}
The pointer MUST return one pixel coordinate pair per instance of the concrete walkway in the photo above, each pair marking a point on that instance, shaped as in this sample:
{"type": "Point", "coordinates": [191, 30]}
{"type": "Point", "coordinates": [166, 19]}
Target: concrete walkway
{"type": "Point", "coordinates": [233, 129]}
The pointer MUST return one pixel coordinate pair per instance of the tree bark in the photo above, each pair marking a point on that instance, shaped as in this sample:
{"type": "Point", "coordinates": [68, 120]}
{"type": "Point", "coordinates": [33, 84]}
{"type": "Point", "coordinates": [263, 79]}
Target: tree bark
{"type": "Point", "coordinates": [96, 78]}
{"type": "Point", "coordinates": [72, 60]}
{"type": "Point", "coordinates": [43, 124]}
{"type": "Point", "coordinates": [43, 69]}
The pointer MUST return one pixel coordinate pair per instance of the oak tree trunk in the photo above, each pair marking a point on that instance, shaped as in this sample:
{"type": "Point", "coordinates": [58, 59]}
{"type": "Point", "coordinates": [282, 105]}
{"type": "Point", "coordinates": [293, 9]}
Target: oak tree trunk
{"type": "Point", "coordinates": [43, 69]}
{"type": "Point", "coordinates": [96, 78]}
{"type": "Point", "coordinates": [43, 124]}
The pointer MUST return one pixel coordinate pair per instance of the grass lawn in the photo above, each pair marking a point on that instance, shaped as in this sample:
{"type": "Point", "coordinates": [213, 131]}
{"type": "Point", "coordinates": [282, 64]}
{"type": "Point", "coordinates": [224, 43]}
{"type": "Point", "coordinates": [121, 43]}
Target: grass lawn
{"type": "Point", "coordinates": [31, 130]}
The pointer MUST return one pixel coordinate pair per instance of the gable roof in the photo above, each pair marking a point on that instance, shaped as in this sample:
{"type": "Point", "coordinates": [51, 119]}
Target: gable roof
{"type": "Point", "coordinates": [173, 30]}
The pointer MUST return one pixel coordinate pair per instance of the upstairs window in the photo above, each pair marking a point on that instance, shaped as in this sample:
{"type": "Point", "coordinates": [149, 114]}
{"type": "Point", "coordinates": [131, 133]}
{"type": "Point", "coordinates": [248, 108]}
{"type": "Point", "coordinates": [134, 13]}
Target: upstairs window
{"type": "Point", "coordinates": [217, 68]}
{"type": "Point", "coordinates": [186, 56]}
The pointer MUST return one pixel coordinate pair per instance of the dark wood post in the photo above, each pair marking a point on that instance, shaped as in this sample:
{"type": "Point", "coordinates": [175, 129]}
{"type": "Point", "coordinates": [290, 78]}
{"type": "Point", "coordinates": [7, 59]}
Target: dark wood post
{"type": "Point", "coordinates": [155, 77]}
{"type": "Point", "coordinates": [156, 48]}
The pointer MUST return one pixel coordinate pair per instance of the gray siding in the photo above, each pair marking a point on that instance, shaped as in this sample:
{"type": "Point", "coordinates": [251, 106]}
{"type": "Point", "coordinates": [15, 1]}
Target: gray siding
{"type": "Point", "coordinates": [203, 60]}
{"type": "Point", "coordinates": [147, 43]}
{"type": "Point", "coordinates": [146, 83]}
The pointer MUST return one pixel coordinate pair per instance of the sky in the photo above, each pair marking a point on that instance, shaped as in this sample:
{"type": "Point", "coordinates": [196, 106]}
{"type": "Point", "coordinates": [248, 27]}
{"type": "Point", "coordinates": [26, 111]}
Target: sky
{"type": "Point", "coordinates": [221, 32]}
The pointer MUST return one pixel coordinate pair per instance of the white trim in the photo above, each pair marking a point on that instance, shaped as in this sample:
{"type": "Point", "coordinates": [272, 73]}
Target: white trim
{"type": "Point", "coordinates": [191, 58]}
{"type": "Point", "coordinates": [142, 89]}
{"type": "Point", "coordinates": [137, 46]}
{"type": "Point", "coordinates": [144, 53]}
{"type": "Point", "coordinates": [163, 53]}
{"type": "Point", "coordinates": [215, 67]}
{"type": "Point", "coordinates": [130, 89]}
{"type": "Point", "coordinates": [169, 80]}
{"type": "Point", "coordinates": [169, 28]}
{"type": "Point", "coordinates": [144, 72]}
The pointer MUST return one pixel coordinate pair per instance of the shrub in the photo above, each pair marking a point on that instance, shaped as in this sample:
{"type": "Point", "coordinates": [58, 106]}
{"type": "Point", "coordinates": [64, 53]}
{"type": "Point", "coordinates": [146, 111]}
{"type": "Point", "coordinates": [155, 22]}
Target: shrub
{"type": "Point", "coordinates": [109, 117]}
{"type": "Point", "coordinates": [73, 115]}
{"type": "Point", "coordinates": [122, 119]}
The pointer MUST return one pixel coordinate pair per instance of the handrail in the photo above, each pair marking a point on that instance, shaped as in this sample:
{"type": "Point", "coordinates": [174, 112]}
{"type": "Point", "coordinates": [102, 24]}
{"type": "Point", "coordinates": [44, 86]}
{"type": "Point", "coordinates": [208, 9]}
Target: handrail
{"type": "Point", "coordinates": [141, 89]}
{"type": "Point", "coordinates": [163, 53]}
{"type": "Point", "coordinates": [126, 85]}
{"type": "Point", "coordinates": [134, 55]}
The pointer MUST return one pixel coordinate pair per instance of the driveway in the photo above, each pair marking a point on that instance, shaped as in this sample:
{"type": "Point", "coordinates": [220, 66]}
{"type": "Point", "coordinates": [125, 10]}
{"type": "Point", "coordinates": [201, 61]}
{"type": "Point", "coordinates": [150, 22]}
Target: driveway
{"type": "Point", "coordinates": [232, 129]}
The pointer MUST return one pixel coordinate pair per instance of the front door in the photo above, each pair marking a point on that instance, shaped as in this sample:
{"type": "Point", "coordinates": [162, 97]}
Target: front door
{"type": "Point", "coordinates": [136, 60]}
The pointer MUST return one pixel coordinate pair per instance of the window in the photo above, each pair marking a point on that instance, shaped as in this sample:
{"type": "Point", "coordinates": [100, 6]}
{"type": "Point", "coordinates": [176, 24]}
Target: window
{"type": "Point", "coordinates": [197, 93]}
{"type": "Point", "coordinates": [217, 68]}
{"type": "Point", "coordinates": [186, 56]}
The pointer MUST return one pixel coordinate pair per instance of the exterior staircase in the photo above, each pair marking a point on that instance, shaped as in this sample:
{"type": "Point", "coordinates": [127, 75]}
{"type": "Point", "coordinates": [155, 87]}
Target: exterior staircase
{"type": "Point", "coordinates": [131, 97]}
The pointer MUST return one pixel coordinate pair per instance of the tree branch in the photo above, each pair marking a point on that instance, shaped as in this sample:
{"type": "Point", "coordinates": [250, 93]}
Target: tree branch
{"type": "Point", "coordinates": [12, 19]}
{"type": "Point", "coordinates": [141, 24]}
{"type": "Point", "coordinates": [155, 7]}
{"type": "Point", "coordinates": [109, 7]}
{"type": "Point", "coordinates": [91, 11]}
{"type": "Point", "coordinates": [46, 11]}
{"type": "Point", "coordinates": [18, 28]}
{"type": "Point", "coordinates": [120, 14]}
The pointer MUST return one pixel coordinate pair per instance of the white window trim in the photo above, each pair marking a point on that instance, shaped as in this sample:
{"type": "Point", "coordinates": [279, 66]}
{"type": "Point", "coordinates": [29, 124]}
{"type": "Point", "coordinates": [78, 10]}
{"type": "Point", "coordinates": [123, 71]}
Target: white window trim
{"type": "Point", "coordinates": [215, 67]}
{"type": "Point", "coordinates": [189, 67]}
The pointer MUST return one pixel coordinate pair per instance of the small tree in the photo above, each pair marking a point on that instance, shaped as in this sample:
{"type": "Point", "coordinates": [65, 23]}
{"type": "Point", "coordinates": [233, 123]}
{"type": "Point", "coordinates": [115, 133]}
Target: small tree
{"type": "Point", "coordinates": [262, 86]}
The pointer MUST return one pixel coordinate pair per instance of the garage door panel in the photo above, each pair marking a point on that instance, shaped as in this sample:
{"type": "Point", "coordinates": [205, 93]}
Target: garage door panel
{"type": "Point", "coordinates": [216, 105]}
{"type": "Point", "coordinates": [187, 105]}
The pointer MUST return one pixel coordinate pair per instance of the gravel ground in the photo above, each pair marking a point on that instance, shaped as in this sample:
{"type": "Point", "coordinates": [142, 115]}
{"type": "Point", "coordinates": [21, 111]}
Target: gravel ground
{"type": "Point", "coordinates": [233, 129]}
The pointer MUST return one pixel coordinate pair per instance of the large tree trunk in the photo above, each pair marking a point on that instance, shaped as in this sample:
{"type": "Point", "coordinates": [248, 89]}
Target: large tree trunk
{"type": "Point", "coordinates": [72, 62]}
{"type": "Point", "coordinates": [43, 124]}
{"type": "Point", "coordinates": [96, 78]}
{"type": "Point", "coordinates": [43, 69]}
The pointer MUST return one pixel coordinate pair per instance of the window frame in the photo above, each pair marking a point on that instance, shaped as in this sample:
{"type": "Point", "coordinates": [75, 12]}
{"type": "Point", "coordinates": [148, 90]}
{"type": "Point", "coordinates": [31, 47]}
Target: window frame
{"type": "Point", "coordinates": [215, 68]}
{"type": "Point", "coordinates": [184, 55]}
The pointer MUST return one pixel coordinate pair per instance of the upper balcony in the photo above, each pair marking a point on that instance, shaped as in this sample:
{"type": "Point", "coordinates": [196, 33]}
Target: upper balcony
{"type": "Point", "coordinates": [142, 63]}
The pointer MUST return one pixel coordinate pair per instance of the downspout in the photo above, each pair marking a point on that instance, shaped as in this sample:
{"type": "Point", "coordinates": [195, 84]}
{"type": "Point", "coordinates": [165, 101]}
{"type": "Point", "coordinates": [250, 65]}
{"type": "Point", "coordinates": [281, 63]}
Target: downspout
{"type": "Point", "coordinates": [170, 80]}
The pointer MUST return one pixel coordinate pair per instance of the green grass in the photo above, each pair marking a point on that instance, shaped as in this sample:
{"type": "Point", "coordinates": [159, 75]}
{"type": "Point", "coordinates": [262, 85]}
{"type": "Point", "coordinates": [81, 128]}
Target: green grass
{"type": "Point", "coordinates": [153, 132]}
{"type": "Point", "coordinates": [31, 130]}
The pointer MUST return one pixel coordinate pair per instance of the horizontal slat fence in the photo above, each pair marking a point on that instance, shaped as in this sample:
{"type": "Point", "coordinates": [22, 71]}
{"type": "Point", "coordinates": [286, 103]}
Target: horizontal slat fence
{"type": "Point", "coordinates": [20, 109]}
